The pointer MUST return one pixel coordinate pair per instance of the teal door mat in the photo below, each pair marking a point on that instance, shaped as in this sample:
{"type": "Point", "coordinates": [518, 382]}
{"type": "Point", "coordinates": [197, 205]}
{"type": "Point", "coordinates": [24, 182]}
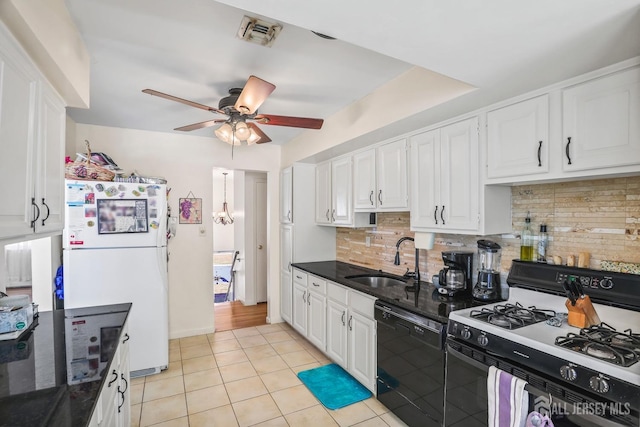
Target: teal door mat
{"type": "Point", "coordinates": [333, 386]}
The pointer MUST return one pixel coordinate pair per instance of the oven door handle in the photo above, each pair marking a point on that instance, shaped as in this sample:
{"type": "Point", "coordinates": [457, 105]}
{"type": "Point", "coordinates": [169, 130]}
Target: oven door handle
{"type": "Point", "coordinates": [466, 359]}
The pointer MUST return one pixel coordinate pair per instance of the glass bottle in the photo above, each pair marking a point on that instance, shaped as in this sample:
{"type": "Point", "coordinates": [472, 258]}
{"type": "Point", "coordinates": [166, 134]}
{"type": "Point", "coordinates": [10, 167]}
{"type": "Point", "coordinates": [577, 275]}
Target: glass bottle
{"type": "Point", "coordinates": [526, 242]}
{"type": "Point", "coordinates": [543, 241]}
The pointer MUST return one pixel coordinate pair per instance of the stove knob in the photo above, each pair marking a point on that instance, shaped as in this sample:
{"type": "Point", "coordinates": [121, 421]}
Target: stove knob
{"type": "Point", "coordinates": [568, 373]}
{"type": "Point", "coordinates": [599, 384]}
{"type": "Point", "coordinates": [483, 340]}
{"type": "Point", "coordinates": [466, 334]}
{"type": "Point", "coordinates": [606, 283]}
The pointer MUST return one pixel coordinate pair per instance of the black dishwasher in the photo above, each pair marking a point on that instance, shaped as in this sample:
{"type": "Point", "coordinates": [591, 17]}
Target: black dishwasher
{"type": "Point", "coordinates": [411, 365]}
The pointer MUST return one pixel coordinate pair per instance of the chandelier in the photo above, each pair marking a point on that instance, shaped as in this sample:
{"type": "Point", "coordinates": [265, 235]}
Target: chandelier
{"type": "Point", "coordinates": [224, 217]}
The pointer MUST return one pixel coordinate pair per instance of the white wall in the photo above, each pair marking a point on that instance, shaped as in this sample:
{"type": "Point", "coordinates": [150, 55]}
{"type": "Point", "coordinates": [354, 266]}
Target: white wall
{"type": "Point", "coordinates": [187, 163]}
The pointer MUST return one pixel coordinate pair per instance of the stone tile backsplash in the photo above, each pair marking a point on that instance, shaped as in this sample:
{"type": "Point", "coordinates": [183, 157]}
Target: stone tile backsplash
{"type": "Point", "coordinates": [601, 217]}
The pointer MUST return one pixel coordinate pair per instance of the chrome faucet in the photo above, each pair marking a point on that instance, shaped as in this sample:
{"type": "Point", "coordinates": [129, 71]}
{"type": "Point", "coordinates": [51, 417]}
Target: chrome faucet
{"type": "Point", "coordinates": [416, 273]}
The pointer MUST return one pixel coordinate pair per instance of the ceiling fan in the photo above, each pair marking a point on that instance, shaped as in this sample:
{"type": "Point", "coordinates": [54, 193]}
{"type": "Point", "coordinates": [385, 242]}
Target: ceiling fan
{"type": "Point", "coordinates": [241, 109]}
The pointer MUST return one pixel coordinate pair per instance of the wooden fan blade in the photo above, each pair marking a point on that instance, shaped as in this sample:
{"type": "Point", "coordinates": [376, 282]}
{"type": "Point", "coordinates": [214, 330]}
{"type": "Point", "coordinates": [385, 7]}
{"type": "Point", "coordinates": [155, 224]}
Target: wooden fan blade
{"type": "Point", "coordinates": [201, 125]}
{"type": "Point", "coordinates": [254, 93]}
{"type": "Point", "coordinates": [263, 137]}
{"type": "Point", "coordinates": [296, 122]}
{"type": "Point", "coordinates": [182, 101]}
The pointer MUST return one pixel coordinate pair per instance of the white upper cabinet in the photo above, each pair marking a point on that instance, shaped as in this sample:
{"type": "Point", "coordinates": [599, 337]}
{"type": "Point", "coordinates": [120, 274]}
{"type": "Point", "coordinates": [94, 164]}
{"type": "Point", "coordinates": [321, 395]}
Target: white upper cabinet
{"type": "Point", "coordinates": [392, 176]}
{"type": "Point", "coordinates": [518, 139]}
{"type": "Point", "coordinates": [32, 126]}
{"type": "Point", "coordinates": [286, 195]}
{"type": "Point", "coordinates": [445, 176]}
{"type": "Point", "coordinates": [587, 127]}
{"type": "Point", "coordinates": [341, 192]}
{"type": "Point", "coordinates": [380, 178]}
{"type": "Point", "coordinates": [323, 193]}
{"type": "Point", "coordinates": [364, 181]}
{"type": "Point", "coordinates": [601, 122]}
{"type": "Point", "coordinates": [334, 192]}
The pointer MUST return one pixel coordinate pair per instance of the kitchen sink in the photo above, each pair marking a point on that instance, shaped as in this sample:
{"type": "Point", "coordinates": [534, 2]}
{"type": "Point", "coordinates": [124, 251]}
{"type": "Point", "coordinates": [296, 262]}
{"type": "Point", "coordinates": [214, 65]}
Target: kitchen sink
{"type": "Point", "coordinates": [377, 280]}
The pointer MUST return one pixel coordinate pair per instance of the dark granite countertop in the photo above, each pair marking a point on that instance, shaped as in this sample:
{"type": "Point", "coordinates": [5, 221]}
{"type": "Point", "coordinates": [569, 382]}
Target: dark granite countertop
{"type": "Point", "coordinates": [34, 386]}
{"type": "Point", "coordinates": [427, 302]}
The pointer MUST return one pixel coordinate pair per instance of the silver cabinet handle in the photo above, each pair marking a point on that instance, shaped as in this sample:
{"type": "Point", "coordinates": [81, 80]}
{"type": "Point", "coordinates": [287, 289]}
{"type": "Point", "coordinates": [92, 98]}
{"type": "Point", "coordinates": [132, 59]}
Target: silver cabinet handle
{"type": "Point", "coordinates": [435, 215]}
{"type": "Point", "coordinates": [298, 277]}
{"type": "Point", "coordinates": [315, 284]}
{"type": "Point", "coordinates": [350, 319]}
{"type": "Point", "coordinates": [371, 197]}
{"type": "Point", "coordinates": [289, 215]}
{"type": "Point", "coordinates": [342, 318]}
{"type": "Point", "coordinates": [333, 215]}
{"type": "Point", "coordinates": [304, 294]}
{"type": "Point", "coordinates": [442, 214]}
{"type": "Point", "coordinates": [328, 219]}
{"type": "Point", "coordinates": [309, 299]}
{"type": "Point", "coordinates": [48, 212]}
{"type": "Point", "coordinates": [380, 196]}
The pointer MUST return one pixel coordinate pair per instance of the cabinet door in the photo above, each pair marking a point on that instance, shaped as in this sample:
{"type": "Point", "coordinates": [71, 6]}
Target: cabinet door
{"type": "Point", "coordinates": [365, 196]}
{"type": "Point", "coordinates": [18, 97]}
{"type": "Point", "coordinates": [392, 176]}
{"type": "Point", "coordinates": [518, 139]}
{"type": "Point", "coordinates": [337, 333]}
{"type": "Point", "coordinates": [317, 321]}
{"type": "Point", "coordinates": [286, 195]}
{"type": "Point", "coordinates": [362, 349]}
{"type": "Point", "coordinates": [425, 179]}
{"type": "Point", "coordinates": [459, 178]}
{"type": "Point", "coordinates": [323, 193]}
{"type": "Point", "coordinates": [286, 247]}
{"type": "Point", "coordinates": [602, 119]}
{"type": "Point", "coordinates": [299, 305]}
{"type": "Point", "coordinates": [49, 189]}
{"type": "Point", "coordinates": [285, 296]}
{"type": "Point", "coordinates": [341, 191]}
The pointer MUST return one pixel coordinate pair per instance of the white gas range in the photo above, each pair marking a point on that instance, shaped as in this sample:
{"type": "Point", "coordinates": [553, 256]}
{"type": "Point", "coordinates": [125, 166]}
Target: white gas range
{"type": "Point", "coordinates": [582, 381]}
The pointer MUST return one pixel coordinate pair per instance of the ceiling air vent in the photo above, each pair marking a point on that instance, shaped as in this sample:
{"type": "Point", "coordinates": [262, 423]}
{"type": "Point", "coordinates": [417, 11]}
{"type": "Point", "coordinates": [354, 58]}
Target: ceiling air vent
{"type": "Point", "coordinates": [257, 31]}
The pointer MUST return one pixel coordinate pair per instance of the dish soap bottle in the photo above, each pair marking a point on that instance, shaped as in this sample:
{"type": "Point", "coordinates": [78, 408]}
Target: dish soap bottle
{"type": "Point", "coordinates": [526, 243]}
{"type": "Point", "coordinates": [543, 239]}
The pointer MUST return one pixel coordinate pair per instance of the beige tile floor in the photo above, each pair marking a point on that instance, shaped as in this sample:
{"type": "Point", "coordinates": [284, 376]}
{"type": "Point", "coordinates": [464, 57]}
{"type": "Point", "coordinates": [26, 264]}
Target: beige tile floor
{"type": "Point", "coordinates": [244, 377]}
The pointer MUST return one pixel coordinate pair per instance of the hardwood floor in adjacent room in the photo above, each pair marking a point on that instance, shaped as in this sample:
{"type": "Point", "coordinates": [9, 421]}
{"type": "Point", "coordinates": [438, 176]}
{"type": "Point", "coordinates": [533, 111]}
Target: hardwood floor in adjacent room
{"type": "Point", "coordinates": [235, 315]}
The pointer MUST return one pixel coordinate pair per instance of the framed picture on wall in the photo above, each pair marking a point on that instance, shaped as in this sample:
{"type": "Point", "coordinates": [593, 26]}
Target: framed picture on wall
{"type": "Point", "coordinates": [190, 210]}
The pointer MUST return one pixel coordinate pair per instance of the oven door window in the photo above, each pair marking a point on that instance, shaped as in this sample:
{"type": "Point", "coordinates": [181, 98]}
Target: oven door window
{"type": "Point", "coordinates": [466, 399]}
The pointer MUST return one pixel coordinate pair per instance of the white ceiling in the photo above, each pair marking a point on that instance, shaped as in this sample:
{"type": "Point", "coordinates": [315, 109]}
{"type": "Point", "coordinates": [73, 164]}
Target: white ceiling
{"type": "Point", "coordinates": [189, 49]}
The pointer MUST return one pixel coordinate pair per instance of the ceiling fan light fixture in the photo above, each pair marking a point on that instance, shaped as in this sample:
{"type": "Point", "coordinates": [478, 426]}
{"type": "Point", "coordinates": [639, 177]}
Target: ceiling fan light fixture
{"type": "Point", "coordinates": [253, 137]}
{"type": "Point", "coordinates": [242, 131]}
{"type": "Point", "coordinates": [225, 133]}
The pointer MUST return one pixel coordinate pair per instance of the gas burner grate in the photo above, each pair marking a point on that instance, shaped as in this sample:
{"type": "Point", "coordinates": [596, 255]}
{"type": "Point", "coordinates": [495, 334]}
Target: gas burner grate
{"type": "Point", "coordinates": [596, 341]}
{"type": "Point", "coordinates": [512, 316]}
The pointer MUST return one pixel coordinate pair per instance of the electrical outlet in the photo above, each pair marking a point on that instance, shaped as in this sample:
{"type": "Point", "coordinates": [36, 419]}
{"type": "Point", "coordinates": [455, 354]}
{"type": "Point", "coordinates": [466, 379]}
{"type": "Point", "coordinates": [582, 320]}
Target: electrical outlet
{"type": "Point", "coordinates": [367, 241]}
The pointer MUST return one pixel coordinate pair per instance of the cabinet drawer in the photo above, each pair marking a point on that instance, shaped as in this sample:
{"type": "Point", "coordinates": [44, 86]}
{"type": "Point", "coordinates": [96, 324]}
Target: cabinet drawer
{"type": "Point", "coordinates": [317, 284]}
{"type": "Point", "coordinates": [361, 303]}
{"type": "Point", "coordinates": [337, 293]}
{"type": "Point", "coordinates": [299, 277]}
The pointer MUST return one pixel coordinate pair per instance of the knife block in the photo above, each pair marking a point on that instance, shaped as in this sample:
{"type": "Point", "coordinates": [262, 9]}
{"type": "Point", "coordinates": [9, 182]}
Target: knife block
{"type": "Point", "coordinates": [576, 317]}
{"type": "Point", "coordinates": [583, 314]}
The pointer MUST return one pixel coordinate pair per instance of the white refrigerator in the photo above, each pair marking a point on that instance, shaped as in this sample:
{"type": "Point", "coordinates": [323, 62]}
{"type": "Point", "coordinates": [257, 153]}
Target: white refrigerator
{"type": "Point", "coordinates": [115, 251]}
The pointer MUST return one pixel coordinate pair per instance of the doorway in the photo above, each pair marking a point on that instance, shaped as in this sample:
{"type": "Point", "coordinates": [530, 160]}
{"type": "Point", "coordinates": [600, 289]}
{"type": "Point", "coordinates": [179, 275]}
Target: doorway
{"type": "Point", "coordinates": [245, 281]}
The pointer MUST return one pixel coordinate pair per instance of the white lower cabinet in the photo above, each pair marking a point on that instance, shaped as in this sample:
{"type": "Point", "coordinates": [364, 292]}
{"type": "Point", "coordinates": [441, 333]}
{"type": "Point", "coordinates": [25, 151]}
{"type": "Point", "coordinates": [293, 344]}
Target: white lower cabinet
{"type": "Point", "coordinates": [309, 315]}
{"type": "Point", "coordinates": [339, 321]}
{"type": "Point", "coordinates": [351, 332]}
{"type": "Point", "coordinates": [113, 407]}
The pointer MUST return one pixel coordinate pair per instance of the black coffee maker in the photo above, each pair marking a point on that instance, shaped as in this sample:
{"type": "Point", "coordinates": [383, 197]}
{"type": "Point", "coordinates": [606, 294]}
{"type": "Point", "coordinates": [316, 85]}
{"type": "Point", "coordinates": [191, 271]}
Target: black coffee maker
{"type": "Point", "coordinates": [456, 278]}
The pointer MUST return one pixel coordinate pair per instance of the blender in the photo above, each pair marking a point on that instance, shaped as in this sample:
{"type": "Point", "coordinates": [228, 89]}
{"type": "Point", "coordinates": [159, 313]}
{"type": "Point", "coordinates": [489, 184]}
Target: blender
{"type": "Point", "coordinates": [488, 286]}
